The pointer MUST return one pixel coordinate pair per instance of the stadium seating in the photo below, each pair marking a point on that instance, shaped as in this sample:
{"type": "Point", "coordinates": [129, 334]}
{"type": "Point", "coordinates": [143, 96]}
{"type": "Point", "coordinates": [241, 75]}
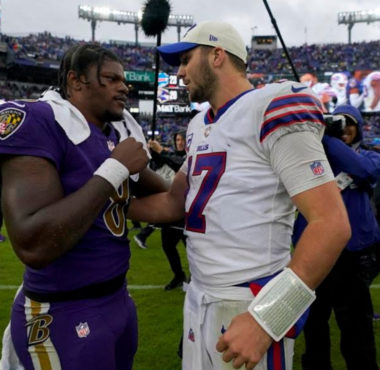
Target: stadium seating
{"type": "Point", "coordinates": [29, 64]}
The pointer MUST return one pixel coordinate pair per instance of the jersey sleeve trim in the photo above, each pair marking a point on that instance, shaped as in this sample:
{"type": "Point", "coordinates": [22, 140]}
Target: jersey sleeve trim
{"type": "Point", "coordinates": [291, 109]}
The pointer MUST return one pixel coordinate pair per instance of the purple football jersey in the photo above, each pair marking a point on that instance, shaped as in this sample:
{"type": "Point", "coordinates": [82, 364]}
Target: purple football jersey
{"type": "Point", "coordinates": [29, 128]}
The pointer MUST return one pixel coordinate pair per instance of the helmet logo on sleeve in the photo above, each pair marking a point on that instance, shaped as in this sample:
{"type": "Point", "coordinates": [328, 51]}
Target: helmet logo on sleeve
{"type": "Point", "coordinates": [10, 121]}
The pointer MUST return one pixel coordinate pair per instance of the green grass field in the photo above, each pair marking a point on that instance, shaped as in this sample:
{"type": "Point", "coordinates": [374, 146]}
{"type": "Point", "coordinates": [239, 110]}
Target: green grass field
{"type": "Point", "coordinates": [159, 312]}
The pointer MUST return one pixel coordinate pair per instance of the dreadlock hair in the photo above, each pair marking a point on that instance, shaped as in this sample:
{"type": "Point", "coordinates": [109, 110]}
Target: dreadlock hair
{"type": "Point", "coordinates": [79, 59]}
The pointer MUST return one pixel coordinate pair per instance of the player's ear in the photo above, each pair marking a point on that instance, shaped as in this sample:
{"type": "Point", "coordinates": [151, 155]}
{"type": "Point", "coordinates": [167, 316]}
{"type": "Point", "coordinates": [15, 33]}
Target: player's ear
{"type": "Point", "coordinates": [73, 81]}
{"type": "Point", "coordinates": [218, 56]}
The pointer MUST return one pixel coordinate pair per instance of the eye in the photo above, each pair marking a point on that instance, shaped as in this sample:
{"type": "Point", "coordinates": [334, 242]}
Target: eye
{"type": "Point", "coordinates": [111, 78]}
{"type": "Point", "coordinates": [184, 59]}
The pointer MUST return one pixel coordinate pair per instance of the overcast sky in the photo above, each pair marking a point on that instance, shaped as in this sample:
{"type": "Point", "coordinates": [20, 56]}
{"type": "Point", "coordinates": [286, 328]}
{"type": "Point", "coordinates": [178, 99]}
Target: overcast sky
{"type": "Point", "coordinates": [299, 21]}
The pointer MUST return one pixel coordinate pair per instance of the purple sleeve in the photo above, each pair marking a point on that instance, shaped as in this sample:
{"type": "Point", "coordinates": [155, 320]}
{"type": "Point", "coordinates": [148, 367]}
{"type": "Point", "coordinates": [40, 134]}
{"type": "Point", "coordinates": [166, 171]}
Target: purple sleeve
{"type": "Point", "coordinates": [29, 128]}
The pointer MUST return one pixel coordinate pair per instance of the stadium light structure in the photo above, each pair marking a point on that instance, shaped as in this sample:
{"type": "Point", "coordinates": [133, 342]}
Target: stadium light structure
{"type": "Point", "coordinates": [95, 14]}
{"type": "Point", "coordinates": [180, 21]}
{"type": "Point", "coordinates": [360, 16]}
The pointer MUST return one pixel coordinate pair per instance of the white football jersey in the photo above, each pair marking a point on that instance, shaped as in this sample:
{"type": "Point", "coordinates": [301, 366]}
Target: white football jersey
{"type": "Point", "coordinates": [239, 214]}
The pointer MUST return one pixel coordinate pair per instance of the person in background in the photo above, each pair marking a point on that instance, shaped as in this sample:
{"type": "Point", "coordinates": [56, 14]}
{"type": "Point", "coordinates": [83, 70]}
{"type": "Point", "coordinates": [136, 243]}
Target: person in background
{"type": "Point", "coordinates": [346, 288]}
{"type": "Point", "coordinates": [372, 85]}
{"type": "Point", "coordinates": [172, 234]}
{"type": "Point", "coordinates": [356, 92]}
{"type": "Point", "coordinates": [321, 89]}
{"type": "Point", "coordinates": [2, 237]}
{"type": "Point", "coordinates": [338, 82]}
{"type": "Point", "coordinates": [252, 157]}
{"type": "Point", "coordinates": [143, 235]}
{"type": "Point", "coordinates": [66, 163]}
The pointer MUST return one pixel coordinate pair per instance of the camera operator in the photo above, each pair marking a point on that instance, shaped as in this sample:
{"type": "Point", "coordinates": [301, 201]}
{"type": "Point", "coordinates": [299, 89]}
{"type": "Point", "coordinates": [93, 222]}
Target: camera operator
{"type": "Point", "coordinates": [346, 289]}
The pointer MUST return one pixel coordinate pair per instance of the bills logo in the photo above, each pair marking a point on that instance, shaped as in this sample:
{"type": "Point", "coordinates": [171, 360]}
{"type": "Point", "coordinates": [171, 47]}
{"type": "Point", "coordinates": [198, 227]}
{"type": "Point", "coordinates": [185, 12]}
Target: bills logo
{"type": "Point", "coordinates": [317, 168]}
{"type": "Point", "coordinates": [163, 79]}
{"type": "Point", "coordinates": [191, 335]}
{"type": "Point", "coordinates": [83, 330]}
{"type": "Point", "coordinates": [202, 148]}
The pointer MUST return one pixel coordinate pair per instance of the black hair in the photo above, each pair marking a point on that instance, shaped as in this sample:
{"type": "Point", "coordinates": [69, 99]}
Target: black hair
{"type": "Point", "coordinates": [79, 59]}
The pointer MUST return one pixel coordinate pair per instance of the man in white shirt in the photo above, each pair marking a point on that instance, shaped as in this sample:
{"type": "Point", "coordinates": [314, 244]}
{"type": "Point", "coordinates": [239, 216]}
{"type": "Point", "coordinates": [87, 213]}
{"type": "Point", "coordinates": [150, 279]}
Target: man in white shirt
{"type": "Point", "coordinates": [252, 158]}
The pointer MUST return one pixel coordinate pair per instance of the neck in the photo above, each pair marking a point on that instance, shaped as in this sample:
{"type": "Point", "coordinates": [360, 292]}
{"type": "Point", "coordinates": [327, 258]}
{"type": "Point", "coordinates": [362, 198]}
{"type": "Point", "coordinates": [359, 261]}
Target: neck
{"type": "Point", "coordinates": [89, 116]}
{"type": "Point", "coordinates": [228, 89]}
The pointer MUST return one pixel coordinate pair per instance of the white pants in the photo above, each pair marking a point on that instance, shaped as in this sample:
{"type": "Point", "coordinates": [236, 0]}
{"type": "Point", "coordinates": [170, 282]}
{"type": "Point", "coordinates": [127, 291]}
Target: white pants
{"type": "Point", "coordinates": [205, 319]}
{"type": "Point", "coordinates": [9, 359]}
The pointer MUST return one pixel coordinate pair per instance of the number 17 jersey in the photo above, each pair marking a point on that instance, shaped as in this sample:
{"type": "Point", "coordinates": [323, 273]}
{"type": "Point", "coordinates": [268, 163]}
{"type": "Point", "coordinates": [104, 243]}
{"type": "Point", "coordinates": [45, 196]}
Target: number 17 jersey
{"type": "Point", "coordinates": [239, 214]}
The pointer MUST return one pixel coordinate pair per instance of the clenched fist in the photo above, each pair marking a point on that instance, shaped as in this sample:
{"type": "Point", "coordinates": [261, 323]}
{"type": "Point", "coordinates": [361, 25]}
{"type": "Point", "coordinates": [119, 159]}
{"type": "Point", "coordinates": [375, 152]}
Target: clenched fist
{"type": "Point", "coordinates": [131, 154]}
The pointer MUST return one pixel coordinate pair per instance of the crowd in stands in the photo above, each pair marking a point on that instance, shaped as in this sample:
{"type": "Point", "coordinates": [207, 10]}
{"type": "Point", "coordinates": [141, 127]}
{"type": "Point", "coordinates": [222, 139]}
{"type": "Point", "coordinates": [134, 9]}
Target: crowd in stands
{"type": "Point", "coordinates": [45, 46]}
{"type": "Point", "coordinates": [271, 63]}
{"type": "Point", "coordinates": [371, 130]}
{"type": "Point", "coordinates": [165, 128]}
{"type": "Point", "coordinates": [318, 58]}
{"type": "Point", "coordinates": [11, 90]}
{"type": "Point", "coordinates": [315, 58]}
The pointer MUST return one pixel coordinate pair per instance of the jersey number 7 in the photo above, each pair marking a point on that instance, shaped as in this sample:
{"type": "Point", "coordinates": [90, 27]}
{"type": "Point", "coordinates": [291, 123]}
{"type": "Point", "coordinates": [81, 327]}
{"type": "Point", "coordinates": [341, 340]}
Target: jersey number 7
{"type": "Point", "coordinates": [214, 164]}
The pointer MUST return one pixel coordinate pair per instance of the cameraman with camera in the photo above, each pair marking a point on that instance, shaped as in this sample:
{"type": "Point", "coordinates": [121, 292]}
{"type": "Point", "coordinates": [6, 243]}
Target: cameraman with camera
{"type": "Point", "coordinates": [346, 289]}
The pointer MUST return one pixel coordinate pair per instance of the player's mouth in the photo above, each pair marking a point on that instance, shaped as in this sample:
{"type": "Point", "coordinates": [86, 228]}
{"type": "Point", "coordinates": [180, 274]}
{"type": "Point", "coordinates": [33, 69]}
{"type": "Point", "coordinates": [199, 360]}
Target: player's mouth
{"type": "Point", "coordinates": [121, 100]}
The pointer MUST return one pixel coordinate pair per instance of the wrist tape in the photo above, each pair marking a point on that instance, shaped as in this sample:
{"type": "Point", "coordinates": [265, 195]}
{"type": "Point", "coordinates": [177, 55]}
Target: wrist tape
{"type": "Point", "coordinates": [280, 303]}
{"type": "Point", "coordinates": [113, 171]}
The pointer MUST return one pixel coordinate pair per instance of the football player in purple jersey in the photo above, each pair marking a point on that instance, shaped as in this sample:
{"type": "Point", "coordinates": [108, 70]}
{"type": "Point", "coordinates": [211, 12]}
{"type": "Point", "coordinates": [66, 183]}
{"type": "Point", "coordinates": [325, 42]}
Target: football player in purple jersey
{"type": "Point", "coordinates": [67, 162]}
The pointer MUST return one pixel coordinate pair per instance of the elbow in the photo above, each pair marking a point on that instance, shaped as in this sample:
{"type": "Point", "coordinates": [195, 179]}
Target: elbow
{"type": "Point", "coordinates": [345, 230]}
{"type": "Point", "coordinates": [32, 260]}
{"type": "Point", "coordinates": [32, 256]}
{"type": "Point", "coordinates": [348, 233]}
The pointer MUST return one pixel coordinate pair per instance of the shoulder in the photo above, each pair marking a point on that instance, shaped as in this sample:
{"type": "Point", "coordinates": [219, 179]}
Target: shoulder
{"type": "Point", "coordinates": [22, 115]}
{"type": "Point", "coordinates": [290, 107]}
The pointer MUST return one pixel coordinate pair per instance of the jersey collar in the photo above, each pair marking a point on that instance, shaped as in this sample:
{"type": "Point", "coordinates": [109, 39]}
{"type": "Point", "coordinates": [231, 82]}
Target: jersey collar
{"type": "Point", "coordinates": [209, 116]}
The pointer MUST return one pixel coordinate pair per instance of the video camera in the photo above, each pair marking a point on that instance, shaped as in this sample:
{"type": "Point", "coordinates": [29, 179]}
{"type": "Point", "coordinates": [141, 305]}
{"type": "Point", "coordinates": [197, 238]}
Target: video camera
{"type": "Point", "coordinates": [335, 125]}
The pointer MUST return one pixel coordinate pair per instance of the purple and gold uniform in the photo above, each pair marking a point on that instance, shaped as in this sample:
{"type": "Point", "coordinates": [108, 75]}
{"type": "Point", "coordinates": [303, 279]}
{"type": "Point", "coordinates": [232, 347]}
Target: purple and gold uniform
{"type": "Point", "coordinates": [89, 309]}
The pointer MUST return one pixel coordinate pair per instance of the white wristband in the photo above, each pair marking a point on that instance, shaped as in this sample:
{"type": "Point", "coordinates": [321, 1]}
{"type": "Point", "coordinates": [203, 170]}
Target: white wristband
{"type": "Point", "coordinates": [280, 303]}
{"type": "Point", "coordinates": [113, 171]}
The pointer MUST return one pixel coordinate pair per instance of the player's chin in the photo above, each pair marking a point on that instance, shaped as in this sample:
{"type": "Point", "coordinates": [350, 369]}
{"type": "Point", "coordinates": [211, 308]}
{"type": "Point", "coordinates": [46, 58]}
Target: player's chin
{"type": "Point", "coordinates": [114, 114]}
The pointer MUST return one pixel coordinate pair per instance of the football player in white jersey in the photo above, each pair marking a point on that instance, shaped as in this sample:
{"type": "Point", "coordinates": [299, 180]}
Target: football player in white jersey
{"type": "Point", "coordinates": [253, 157]}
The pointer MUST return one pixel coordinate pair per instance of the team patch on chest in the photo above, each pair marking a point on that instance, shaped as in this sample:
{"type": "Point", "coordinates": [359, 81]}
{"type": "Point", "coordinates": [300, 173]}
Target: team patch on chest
{"type": "Point", "coordinates": [10, 121]}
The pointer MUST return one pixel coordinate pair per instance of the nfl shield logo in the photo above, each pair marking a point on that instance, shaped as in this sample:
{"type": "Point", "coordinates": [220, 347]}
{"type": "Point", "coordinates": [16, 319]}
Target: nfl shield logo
{"type": "Point", "coordinates": [111, 145]}
{"type": "Point", "coordinates": [83, 330]}
{"type": "Point", "coordinates": [191, 335]}
{"type": "Point", "coordinates": [317, 168]}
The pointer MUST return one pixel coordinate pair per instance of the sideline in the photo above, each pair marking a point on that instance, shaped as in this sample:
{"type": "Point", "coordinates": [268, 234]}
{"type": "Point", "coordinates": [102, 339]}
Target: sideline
{"type": "Point", "coordinates": [131, 287]}
{"type": "Point", "coordinates": [141, 287]}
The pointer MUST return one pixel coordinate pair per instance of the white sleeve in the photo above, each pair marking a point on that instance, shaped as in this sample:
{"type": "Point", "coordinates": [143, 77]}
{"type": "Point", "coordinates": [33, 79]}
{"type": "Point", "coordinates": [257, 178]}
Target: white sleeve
{"type": "Point", "coordinates": [184, 167]}
{"type": "Point", "coordinates": [300, 161]}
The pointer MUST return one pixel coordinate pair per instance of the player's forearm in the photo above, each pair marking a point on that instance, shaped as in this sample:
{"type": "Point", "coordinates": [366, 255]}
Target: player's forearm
{"type": "Point", "coordinates": [325, 236]}
{"type": "Point", "coordinates": [46, 234]}
{"type": "Point", "coordinates": [157, 208]}
{"type": "Point", "coordinates": [318, 249]}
